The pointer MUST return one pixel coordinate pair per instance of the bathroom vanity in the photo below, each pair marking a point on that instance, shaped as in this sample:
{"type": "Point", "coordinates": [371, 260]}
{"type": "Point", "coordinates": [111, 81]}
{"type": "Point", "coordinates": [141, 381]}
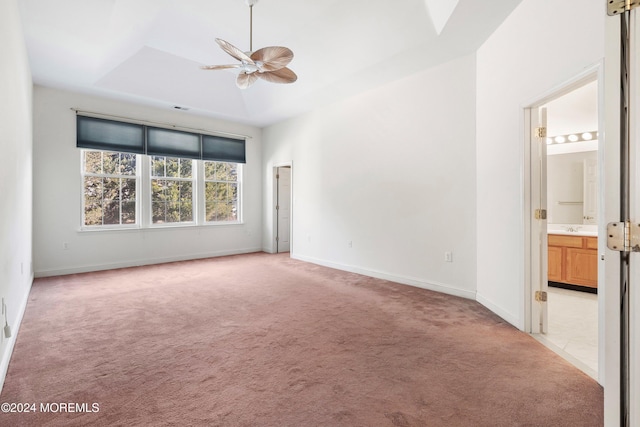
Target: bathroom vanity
{"type": "Point", "coordinates": [573, 258]}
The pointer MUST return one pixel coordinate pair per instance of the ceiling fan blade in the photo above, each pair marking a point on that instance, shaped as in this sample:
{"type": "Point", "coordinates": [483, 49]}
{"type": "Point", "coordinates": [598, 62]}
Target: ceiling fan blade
{"type": "Point", "coordinates": [220, 67]}
{"type": "Point", "coordinates": [234, 51]}
{"type": "Point", "coordinates": [283, 75]}
{"type": "Point", "coordinates": [245, 80]}
{"type": "Point", "coordinates": [272, 57]}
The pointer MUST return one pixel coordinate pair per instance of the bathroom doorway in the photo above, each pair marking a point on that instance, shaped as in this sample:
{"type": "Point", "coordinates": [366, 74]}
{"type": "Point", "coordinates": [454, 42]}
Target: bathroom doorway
{"type": "Point", "coordinates": [565, 314]}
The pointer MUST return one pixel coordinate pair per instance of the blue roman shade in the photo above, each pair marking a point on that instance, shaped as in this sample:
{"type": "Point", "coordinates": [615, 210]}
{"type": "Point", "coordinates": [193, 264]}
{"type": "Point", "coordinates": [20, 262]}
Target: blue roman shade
{"type": "Point", "coordinates": [223, 149]}
{"type": "Point", "coordinates": [173, 143]}
{"type": "Point", "coordinates": [112, 135]}
{"type": "Point", "coordinates": [101, 134]}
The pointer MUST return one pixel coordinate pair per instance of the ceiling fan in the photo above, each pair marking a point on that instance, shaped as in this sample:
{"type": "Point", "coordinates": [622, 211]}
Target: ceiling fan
{"type": "Point", "coordinates": [269, 63]}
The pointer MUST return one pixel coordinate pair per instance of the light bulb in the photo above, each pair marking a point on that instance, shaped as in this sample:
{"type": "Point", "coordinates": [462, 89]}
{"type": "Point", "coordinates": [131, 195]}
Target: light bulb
{"type": "Point", "coordinates": [559, 139]}
{"type": "Point", "coordinates": [587, 136]}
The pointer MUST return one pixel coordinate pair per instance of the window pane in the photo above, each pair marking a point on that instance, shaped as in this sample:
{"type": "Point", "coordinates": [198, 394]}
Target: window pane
{"type": "Point", "coordinates": [93, 161]}
{"type": "Point", "coordinates": [127, 164]}
{"type": "Point", "coordinates": [209, 170]}
{"type": "Point", "coordinates": [93, 213]}
{"type": "Point", "coordinates": [93, 187]}
{"type": "Point", "coordinates": [158, 189]}
{"type": "Point", "coordinates": [173, 167]}
{"type": "Point", "coordinates": [158, 212]}
{"type": "Point", "coordinates": [111, 212]}
{"type": "Point", "coordinates": [233, 191]}
{"type": "Point", "coordinates": [186, 191]}
{"type": "Point", "coordinates": [129, 212]}
{"type": "Point", "coordinates": [111, 163]}
{"type": "Point", "coordinates": [186, 211]}
{"type": "Point", "coordinates": [186, 167]}
{"type": "Point", "coordinates": [111, 189]}
{"type": "Point", "coordinates": [128, 189]}
{"type": "Point", "coordinates": [157, 166]}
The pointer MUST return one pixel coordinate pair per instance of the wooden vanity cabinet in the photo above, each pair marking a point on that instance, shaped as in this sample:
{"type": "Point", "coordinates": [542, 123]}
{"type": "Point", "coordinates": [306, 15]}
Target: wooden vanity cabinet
{"type": "Point", "coordinates": [573, 260]}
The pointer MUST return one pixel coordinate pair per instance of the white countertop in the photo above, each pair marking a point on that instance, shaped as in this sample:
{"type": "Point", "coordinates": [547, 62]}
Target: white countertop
{"type": "Point", "coordinates": [573, 229]}
{"type": "Point", "coordinates": [574, 233]}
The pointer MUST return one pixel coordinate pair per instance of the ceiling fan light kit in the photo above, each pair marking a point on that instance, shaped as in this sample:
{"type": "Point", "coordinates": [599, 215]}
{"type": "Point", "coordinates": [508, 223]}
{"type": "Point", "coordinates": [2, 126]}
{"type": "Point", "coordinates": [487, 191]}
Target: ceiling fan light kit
{"type": "Point", "coordinates": [269, 63]}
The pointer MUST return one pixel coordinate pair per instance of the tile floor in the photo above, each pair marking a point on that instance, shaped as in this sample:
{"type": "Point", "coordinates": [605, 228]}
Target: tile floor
{"type": "Point", "coordinates": [573, 328]}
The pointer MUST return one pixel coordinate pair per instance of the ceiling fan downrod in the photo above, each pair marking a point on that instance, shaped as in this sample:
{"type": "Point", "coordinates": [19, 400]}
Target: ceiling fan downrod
{"type": "Point", "coordinates": [250, 3]}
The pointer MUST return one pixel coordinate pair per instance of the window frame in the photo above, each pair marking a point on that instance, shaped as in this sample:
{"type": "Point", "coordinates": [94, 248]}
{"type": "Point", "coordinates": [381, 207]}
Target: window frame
{"type": "Point", "coordinates": [143, 199]}
{"type": "Point", "coordinates": [194, 192]}
{"type": "Point", "coordinates": [239, 204]}
{"type": "Point", "coordinates": [84, 174]}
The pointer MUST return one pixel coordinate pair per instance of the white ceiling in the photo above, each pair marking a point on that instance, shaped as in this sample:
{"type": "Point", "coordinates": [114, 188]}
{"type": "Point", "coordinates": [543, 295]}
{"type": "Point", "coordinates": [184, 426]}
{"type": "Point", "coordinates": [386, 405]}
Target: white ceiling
{"type": "Point", "coordinates": [149, 51]}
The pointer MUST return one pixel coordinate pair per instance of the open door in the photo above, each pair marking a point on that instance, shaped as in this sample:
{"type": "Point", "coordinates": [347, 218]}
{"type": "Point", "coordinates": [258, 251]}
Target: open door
{"type": "Point", "coordinates": [283, 209]}
{"type": "Point", "coordinates": [539, 258]}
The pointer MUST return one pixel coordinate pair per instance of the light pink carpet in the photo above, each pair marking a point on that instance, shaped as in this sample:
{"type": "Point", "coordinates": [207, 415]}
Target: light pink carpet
{"type": "Point", "coordinates": [263, 340]}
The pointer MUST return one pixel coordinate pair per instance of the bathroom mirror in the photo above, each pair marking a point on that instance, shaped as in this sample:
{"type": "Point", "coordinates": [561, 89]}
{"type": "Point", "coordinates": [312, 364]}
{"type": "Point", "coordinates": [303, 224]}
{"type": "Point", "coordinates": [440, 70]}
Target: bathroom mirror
{"type": "Point", "coordinates": [572, 188]}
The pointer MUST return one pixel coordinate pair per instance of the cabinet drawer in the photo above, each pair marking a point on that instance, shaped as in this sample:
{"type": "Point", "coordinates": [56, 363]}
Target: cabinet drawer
{"type": "Point", "coordinates": [566, 241]}
{"type": "Point", "coordinates": [592, 243]}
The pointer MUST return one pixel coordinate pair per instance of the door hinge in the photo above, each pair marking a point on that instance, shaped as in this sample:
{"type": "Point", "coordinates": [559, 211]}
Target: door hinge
{"type": "Point", "coordinates": [277, 239]}
{"type": "Point", "coordinates": [540, 132]}
{"type": "Point", "coordinates": [616, 7]}
{"type": "Point", "coordinates": [277, 207]}
{"type": "Point", "coordinates": [540, 214]}
{"type": "Point", "coordinates": [541, 296]}
{"type": "Point", "coordinates": [277, 176]}
{"type": "Point", "coordinates": [623, 236]}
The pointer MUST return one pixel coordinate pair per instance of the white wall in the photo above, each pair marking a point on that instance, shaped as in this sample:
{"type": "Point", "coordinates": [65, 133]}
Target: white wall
{"type": "Point", "coordinates": [58, 195]}
{"type": "Point", "coordinates": [15, 175]}
{"type": "Point", "coordinates": [542, 44]}
{"type": "Point", "coordinates": [391, 170]}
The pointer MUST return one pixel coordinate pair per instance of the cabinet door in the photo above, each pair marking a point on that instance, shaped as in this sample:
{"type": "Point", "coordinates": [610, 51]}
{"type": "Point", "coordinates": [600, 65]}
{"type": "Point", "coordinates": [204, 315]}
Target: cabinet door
{"type": "Point", "coordinates": [554, 267]}
{"type": "Point", "coordinates": [582, 267]}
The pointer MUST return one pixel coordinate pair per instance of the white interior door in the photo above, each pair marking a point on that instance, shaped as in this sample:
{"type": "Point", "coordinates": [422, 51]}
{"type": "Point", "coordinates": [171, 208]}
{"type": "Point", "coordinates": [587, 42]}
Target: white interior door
{"type": "Point", "coordinates": [539, 260]}
{"type": "Point", "coordinates": [283, 209]}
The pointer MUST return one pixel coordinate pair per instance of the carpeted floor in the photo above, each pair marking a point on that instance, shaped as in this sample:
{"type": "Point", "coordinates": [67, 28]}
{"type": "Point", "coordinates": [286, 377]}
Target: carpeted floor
{"type": "Point", "coordinates": [263, 340]}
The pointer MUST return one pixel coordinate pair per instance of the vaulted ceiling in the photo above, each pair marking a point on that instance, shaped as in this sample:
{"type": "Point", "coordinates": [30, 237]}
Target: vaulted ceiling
{"type": "Point", "coordinates": [150, 51]}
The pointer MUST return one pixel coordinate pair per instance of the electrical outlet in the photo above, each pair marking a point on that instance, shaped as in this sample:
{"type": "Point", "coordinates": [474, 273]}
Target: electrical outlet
{"type": "Point", "coordinates": [448, 256]}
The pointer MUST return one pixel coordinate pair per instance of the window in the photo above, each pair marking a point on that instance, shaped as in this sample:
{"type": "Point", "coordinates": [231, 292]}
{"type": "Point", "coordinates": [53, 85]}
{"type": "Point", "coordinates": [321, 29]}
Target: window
{"type": "Point", "coordinates": [171, 190]}
{"type": "Point", "coordinates": [221, 191]}
{"type": "Point", "coordinates": [120, 190]}
{"type": "Point", "coordinates": [190, 178]}
{"type": "Point", "coordinates": [110, 186]}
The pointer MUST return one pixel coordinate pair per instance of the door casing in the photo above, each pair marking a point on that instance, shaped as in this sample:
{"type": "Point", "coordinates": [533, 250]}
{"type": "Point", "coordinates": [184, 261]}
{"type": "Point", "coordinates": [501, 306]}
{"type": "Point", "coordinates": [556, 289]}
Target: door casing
{"type": "Point", "coordinates": [534, 251]}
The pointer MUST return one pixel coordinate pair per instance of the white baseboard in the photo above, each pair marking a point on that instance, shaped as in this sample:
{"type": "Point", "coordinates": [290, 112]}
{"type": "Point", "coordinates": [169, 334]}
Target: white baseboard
{"type": "Point", "coordinates": [15, 329]}
{"type": "Point", "coordinates": [429, 285]}
{"type": "Point", "coordinates": [140, 262]}
{"type": "Point", "coordinates": [514, 320]}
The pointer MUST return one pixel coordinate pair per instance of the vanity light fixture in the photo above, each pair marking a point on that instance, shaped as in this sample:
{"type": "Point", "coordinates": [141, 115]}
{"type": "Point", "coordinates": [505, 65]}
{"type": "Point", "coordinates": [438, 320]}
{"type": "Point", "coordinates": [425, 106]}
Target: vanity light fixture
{"type": "Point", "coordinates": [572, 137]}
